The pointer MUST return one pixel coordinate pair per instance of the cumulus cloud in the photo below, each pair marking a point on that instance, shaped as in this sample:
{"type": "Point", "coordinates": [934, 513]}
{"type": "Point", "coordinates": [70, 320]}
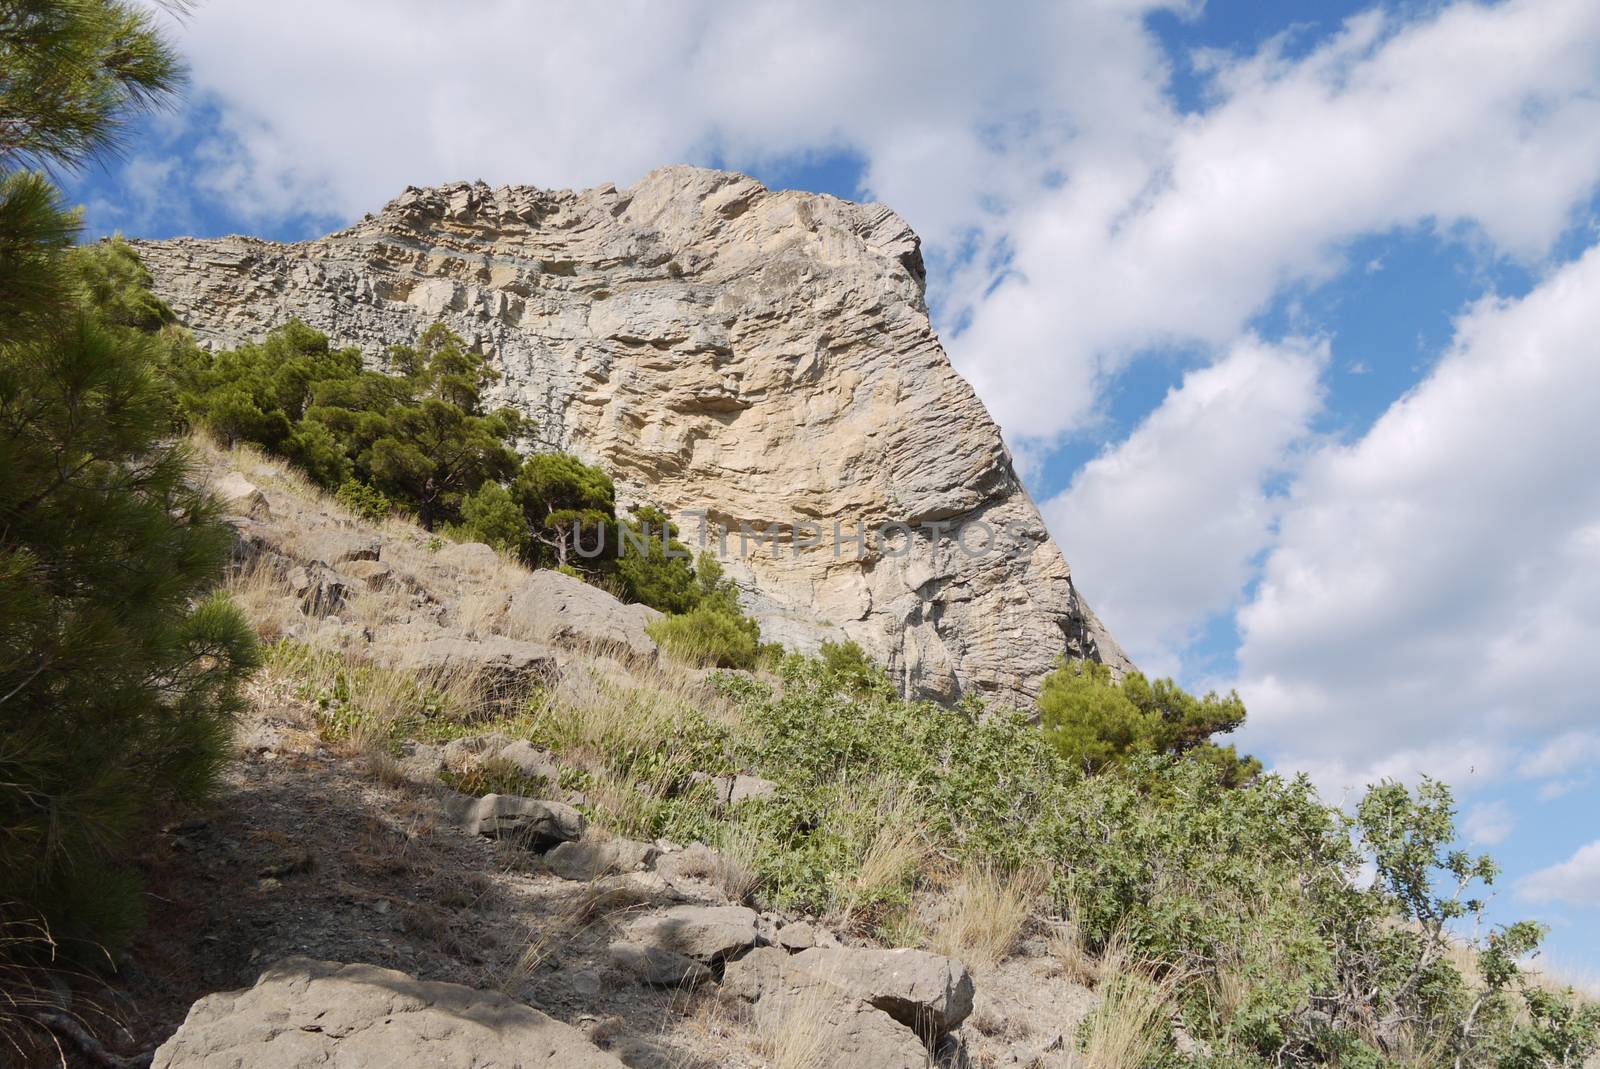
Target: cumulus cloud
{"type": "Point", "coordinates": [1575, 881]}
{"type": "Point", "coordinates": [954, 110]}
{"type": "Point", "coordinates": [1478, 117]}
{"type": "Point", "coordinates": [1163, 526]}
{"type": "Point", "coordinates": [1432, 602]}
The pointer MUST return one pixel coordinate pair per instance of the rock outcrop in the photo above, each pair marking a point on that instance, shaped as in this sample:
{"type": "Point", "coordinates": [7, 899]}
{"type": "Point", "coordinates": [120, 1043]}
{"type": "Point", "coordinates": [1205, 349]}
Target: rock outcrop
{"type": "Point", "coordinates": [305, 1013]}
{"type": "Point", "coordinates": [764, 358]}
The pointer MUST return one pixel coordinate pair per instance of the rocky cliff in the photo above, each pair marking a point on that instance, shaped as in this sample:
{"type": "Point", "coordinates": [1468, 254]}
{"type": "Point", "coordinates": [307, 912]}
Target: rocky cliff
{"type": "Point", "coordinates": [764, 358]}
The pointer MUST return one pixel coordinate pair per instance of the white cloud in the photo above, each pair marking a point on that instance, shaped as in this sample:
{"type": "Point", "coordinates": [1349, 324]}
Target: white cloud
{"type": "Point", "coordinates": [1575, 881]}
{"type": "Point", "coordinates": [336, 108]}
{"type": "Point", "coordinates": [1561, 755]}
{"type": "Point", "coordinates": [1488, 823]}
{"type": "Point", "coordinates": [1433, 601]}
{"type": "Point", "coordinates": [1480, 116]}
{"type": "Point", "coordinates": [1163, 526]}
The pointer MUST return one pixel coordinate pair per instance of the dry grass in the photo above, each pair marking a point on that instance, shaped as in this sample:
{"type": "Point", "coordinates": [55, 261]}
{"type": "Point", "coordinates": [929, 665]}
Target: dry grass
{"type": "Point", "coordinates": [1133, 1022]}
{"type": "Point", "coordinates": [602, 900]}
{"type": "Point", "coordinates": [734, 872]}
{"type": "Point", "coordinates": [894, 848]}
{"type": "Point", "coordinates": [362, 707]}
{"type": "Point", "coordinates": [263, 595]}
{"type": "Point", "coordinates": [984, 914]}
{"type": "Point", "coordinates": [1070, 949]}
{"type": "Point", "coordinates": [794, 1035]}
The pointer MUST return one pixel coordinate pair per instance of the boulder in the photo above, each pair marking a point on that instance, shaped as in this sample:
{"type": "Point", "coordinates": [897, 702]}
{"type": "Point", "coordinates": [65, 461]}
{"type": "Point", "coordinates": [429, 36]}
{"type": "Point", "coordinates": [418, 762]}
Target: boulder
{"type": "Point", "coordinates": [506, 666]}
{"type": "Point", "coordinates": [321, 590]}
{"type": "Point", "coordinates": [304, 1014]}
{"type": "Point", "coordinates": [588, 859]}
{"type": "Point", "coordinates": [848, 1031]}
{"type": "Point", "coordinates": [928, 992]}
{"type": "Point", "coordinates": [241, 496]}
{"type": "Point", "coordinates": [697, 861]}
{"type": "Point", "coordinates": [558, 608]}
{"type": "Point", "coordinates": [803, 935]}
{"type": "Point", "coordinates": [335, 547]}
{"type": "Point", "coordinates": [532, 822]}
{"type": "Point", "coordinates": [708, 934]}
{"type": "Point", "coordinates": [372, 573]}
{"type": "Point", "coordinates": [532, 761]}
{"type": "Point", "coordinates": [657, 966]}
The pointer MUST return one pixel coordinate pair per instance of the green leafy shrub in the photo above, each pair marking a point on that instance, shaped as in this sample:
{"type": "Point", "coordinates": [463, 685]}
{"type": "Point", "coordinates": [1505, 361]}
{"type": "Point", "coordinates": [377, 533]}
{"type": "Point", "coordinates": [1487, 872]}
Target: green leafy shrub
{"type": "Point", "coordinates": [710, 635]}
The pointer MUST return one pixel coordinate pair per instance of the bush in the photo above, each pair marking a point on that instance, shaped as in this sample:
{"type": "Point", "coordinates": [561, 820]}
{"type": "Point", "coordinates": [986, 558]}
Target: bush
{"type": "Point", "coordinates": [364, 501]}
{"type": "Point", "coordinates": [714, 632]}
{"type": "Point", "coordinates": [710, 635]}
{"type": "Point", "coordinates": [492, 516]}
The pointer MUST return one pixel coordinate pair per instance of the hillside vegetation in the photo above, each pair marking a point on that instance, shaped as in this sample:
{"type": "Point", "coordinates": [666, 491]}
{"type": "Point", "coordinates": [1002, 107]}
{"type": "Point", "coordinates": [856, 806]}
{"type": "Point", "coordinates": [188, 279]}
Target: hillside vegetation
{"type": "Point", "coordinates": [1239, 912]}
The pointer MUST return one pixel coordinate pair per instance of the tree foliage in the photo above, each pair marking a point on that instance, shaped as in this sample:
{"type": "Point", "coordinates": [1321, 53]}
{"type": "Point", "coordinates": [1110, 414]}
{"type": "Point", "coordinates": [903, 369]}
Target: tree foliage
{"type": "Point", "coordinates": [563, 498]}
{"type": "Point", "coordinates": [119, 669]}
{"type": "Point", "coordinates": [1096, 721]}
{"type": "Point", "coordinates": [421, 438]}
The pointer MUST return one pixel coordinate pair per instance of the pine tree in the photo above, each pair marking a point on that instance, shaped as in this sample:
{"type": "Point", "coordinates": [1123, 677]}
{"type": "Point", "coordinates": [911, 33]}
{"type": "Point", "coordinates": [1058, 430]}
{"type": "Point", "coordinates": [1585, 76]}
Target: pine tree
{"type": "Point", "coordinates": [120, 668]}
{"type": "Point", "coordinates": [1095, 721]}
{"type": "Point", "coordinates": [563, 497]}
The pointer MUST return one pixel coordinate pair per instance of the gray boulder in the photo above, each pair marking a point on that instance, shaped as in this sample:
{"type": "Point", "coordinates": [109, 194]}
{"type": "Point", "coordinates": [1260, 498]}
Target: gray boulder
{"type": "Point", "coordinates": [588, 859]}
{"type": "Point", "coordinates": [782, 995]}
{"type": "Point", "coordinates": [335, 547]}
{"type": "Point", "coordinates": [708, 934]}
{"type": "Point", "coordinates": [927, 992]}
{"type": "Point", "coordinates": [321, 590]}
{"type": "Point", "coordinates": [657, 966]}
{"type": "Point", "coordinates": [803, 935]}
{"type": "Point", "coordinates": [558, 608]}
{"type": "Point", "coordinates": [532, 822]}
{"type": "Point", "coordinates": [240, 496]}
{"type": "Point", "coordinates": [304, 1014]}
{"type": "Point", "coordinates": [507, 666]}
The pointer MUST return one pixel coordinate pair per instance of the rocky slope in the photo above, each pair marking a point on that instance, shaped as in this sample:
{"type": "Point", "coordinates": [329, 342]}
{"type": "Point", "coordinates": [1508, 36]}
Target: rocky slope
{"type": "Point", "coordinates": [343, 904]}
{"type": "Point", "coordinates": [765, 357]}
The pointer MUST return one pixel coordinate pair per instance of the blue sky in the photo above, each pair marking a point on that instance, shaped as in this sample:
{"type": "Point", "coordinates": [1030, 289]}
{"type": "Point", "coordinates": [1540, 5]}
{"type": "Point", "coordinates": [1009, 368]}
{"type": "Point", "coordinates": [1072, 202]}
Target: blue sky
{"type": "Point", "coordinates": [1287, 311]}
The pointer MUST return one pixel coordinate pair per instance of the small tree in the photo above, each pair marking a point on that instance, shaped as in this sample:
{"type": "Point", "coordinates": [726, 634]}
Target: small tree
{"type": "Point", "coordinates": [492, 516]}
{"type": "Point", "coordinates": [1095, 721]}
{"type": "Point", "coordinates": [121, 674]}
{"type": "Point", "coordinates": [561, 497]}
{"type": "Point", "coordinates": [658, 574]}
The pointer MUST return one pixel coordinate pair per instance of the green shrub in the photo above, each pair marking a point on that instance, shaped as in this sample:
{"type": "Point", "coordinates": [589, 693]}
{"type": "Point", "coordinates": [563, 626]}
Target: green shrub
{"type": "Point", "coordinates": [710, 635]}
{"type": "Point", "coordinates": [492, 516]}
{"type": "Point", "coordinates": [364, 501]}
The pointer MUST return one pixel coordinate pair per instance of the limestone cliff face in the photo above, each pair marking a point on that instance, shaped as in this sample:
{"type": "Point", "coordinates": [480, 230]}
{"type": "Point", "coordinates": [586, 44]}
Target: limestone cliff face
{"type": "Point", "coordinates": [763, 356]}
